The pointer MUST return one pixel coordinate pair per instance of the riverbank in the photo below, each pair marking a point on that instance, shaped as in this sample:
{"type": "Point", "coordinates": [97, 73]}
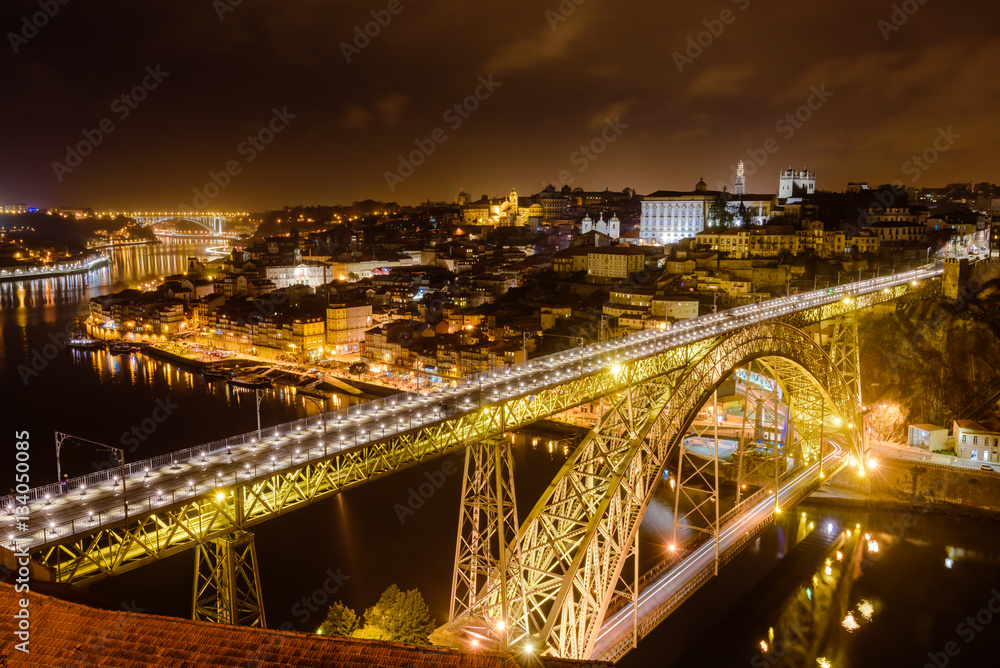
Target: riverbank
{"type": "Point", "coordinates": [883, 491]}
{"type": "Point", "coordinates": [62, 269]}
{"type": "Point", "coordinates": [125, 244]}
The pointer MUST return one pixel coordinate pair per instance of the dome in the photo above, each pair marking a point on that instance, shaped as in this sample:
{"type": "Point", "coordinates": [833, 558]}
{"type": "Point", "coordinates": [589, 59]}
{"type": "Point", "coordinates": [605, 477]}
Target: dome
{"type": "Point", "coordinates": [701, 186]}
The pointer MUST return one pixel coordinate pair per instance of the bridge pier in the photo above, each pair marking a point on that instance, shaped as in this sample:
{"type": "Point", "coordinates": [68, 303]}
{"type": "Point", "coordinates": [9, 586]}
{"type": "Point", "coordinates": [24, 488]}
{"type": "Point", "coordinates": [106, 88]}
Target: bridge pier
{"type": "Point", "coordinates": [490, 603]}
{"type": "Point", "coordinates": [227, 582]}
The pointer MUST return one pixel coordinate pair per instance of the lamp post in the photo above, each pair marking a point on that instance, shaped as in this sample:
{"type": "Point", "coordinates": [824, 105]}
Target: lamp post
{"type": "Point", "coordinates": [322, 410]}
{"type": "Point", "coordinates": [260, 397]}
{"type": "Point", "coordinates": [61, 438]}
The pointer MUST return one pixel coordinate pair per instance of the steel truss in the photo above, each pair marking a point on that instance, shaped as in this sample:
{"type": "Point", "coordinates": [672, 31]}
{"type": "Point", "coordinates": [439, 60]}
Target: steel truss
{"type": "Point", "coordinates": [845, 350]}
{"type": "Point", "coordinates": [227, 583]}
{"type": "Point", "coordinates": [84, 556]}
{"type": "Point", "coordinates": [87, 557]}
{"type": "Point", "coordinates": [487, 547]}
{"type": "Point", "coordinates": [576, 540]}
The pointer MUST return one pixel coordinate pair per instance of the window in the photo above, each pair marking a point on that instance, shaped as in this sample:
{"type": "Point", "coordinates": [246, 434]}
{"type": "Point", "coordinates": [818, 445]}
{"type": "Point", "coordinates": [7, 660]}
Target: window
{"type": "Point", "coordinates": [963, 438]}
{"type": "Point", "coordinates": [975, 440]}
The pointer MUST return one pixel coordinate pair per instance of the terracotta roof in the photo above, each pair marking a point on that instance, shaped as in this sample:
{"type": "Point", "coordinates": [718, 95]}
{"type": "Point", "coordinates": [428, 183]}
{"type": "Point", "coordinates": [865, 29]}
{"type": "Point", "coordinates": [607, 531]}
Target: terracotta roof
{"type": "Point", "coordinates": [64, 634]}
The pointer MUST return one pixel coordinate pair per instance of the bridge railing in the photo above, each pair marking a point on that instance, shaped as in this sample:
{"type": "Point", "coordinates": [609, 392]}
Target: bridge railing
{"type": "Point", "coordinates": [630, 344]}
{"type": "Point", "coordinates": [201, 452]}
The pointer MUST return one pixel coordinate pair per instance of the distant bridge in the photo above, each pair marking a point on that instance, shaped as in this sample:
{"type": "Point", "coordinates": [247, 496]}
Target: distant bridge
{"type": "Point", "coordinates": [214, 222]}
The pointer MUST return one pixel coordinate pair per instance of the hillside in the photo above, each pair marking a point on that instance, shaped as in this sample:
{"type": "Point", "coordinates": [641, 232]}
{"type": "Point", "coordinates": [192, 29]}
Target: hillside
{"type": "Point", "coordinates": [935, 357]}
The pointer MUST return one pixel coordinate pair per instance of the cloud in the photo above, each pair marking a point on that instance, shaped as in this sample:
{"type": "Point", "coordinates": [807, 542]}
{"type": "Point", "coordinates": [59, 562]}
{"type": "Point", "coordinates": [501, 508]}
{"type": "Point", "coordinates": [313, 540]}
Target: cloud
{"type": "Point", "coordinates": [612, 111]}
{"type": "Point", "coordinates": [355, 117]}
{"type": "Point", "coordinates": [390, 108]}
{"type": "Point", "coordinates": [541, 47]}
{"type": "Point", "coordinates": [387, 110]}
{"type": "Point", "coordinates": [722, 81]}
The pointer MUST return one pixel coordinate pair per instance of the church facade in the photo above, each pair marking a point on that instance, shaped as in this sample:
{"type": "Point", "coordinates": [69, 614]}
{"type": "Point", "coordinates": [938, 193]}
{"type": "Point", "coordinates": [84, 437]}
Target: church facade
{"type": "Point", "coordinates": [612, 228]}
{"type": "Point", "coordinates": [796, 184]}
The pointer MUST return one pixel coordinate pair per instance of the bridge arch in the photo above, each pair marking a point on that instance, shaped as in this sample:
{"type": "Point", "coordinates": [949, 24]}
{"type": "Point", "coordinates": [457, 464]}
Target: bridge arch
{"type": "Point", "coordinates": [213, 224]}
{"type": "Point", "coordinates": [574, 544]}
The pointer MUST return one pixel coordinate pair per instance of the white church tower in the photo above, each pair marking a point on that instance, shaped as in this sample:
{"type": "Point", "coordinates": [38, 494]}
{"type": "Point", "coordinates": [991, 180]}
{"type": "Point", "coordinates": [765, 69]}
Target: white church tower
{"type": "Point", "coordinates": [739, 188]}
{"type": "Point", "coordinates": [614, 227]}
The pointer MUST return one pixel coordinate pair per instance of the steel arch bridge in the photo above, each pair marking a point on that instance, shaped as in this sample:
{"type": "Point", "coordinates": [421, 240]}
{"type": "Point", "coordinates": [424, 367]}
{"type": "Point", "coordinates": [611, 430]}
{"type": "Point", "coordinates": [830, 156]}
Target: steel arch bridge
{"type": "Point", "coordinates": [550, 578]}
{"type": "Point", "coordinates": [212, 222]}
{"type": "Point", "coordinates": [565, 566]}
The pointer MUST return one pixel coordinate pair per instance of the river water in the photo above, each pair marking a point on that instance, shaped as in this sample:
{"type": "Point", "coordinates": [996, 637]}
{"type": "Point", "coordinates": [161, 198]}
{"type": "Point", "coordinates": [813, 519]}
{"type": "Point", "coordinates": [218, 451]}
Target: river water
{"type": "Point", "coordinates": [922, 584]}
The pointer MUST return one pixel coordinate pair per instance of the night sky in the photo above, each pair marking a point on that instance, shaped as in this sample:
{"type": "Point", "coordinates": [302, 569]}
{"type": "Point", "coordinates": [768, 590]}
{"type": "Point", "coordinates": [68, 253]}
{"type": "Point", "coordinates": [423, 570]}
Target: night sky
{"type": "Point", "coordinates": [563, 69]}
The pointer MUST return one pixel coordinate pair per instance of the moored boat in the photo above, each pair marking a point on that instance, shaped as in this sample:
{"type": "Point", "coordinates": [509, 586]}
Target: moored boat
{"type": "Point", "coordinates": [122, 348]}
{"type": "Point", "coordinates": [249, 381]}
{"type": "Point", "coordinates": [83, 343]}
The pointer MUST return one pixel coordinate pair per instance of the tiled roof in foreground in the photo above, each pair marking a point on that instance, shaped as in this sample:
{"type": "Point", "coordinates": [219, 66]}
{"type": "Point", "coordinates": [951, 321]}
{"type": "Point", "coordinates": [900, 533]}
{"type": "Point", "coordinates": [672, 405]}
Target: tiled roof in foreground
{"type": "Point", "coordinates": [69, 634]}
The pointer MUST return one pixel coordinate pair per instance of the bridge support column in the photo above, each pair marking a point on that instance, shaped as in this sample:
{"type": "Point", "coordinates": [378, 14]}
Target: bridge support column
{"type": "Point", "coordinates": [845, 351]}
{"type": "Point", "coordinates": [696, 503]}
{"type": "Point", "coordinates": [227, 582]}
{"type": "Point", "coordinates": [487, 551]}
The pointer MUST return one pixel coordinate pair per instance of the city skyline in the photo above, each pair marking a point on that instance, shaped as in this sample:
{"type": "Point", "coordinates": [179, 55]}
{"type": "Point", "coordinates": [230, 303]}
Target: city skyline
{"type": "Point", "coordinates": [299, 105]}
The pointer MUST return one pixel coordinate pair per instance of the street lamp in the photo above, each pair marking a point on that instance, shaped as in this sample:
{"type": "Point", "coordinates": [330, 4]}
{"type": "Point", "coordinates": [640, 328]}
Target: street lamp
{"type": "Point", "coordinates": [61, 438]}
{"type": "Point", "coordinates": [322, 411]}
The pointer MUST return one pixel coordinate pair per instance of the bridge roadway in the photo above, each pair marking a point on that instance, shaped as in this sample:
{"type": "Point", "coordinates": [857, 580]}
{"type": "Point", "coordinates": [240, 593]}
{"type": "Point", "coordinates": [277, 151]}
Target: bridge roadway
{"type": "Point", "coordinates": [94, 501]}
{"type": "Point", "coordinates": [666, 592]}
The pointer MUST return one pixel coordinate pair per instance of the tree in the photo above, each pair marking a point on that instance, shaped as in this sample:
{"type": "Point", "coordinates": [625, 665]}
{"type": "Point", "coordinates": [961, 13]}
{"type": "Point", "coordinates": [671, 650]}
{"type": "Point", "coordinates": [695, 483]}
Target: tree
{"type": "Point", "coordinates": [358, 368]}
{"type": "Point", "coordinates": [399, 616]}
{"type": "Point", "coordinates": [340, 621]}
{"type": "Point", "coordinates": [719, 212]}
{"type": "Point", "coordinates": [746, 218]}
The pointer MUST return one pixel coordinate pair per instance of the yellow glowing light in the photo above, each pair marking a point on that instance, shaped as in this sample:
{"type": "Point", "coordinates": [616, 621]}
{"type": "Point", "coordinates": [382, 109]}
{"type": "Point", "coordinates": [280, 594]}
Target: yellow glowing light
{"type": "Point", "coordinates": [763, 646]}
{"type": "Point", "coordinates": [866, 609]}
{"type": "Point", "coordinates": [219, 496]}
{"type": "Point", "coordinates": [823, 662]}
{"type": "Point", "coordinates": [850, 624]}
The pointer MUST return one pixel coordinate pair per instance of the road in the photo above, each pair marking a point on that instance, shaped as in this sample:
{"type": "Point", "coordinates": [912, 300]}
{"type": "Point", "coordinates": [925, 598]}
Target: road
{"type": "Point", "coordinates": [96, 499]}
{"type": "Point", "coordinates": [900, 451]}
{"type": "Point", "coordinates": [617, 629]}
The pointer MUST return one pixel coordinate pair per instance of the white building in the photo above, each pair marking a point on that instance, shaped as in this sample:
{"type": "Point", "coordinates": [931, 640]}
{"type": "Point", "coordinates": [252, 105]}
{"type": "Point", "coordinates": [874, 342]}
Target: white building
{"type": "Point", "coordinates": [978, 440]}
{"type": "Point", "coordinates": [308, 273]}
{"type": "Point", "coordinates": [669, 216]}
{"type": "Point", "coordinates": [612, 228]}
{"type": "Point", "coordinates": [795, 184]}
